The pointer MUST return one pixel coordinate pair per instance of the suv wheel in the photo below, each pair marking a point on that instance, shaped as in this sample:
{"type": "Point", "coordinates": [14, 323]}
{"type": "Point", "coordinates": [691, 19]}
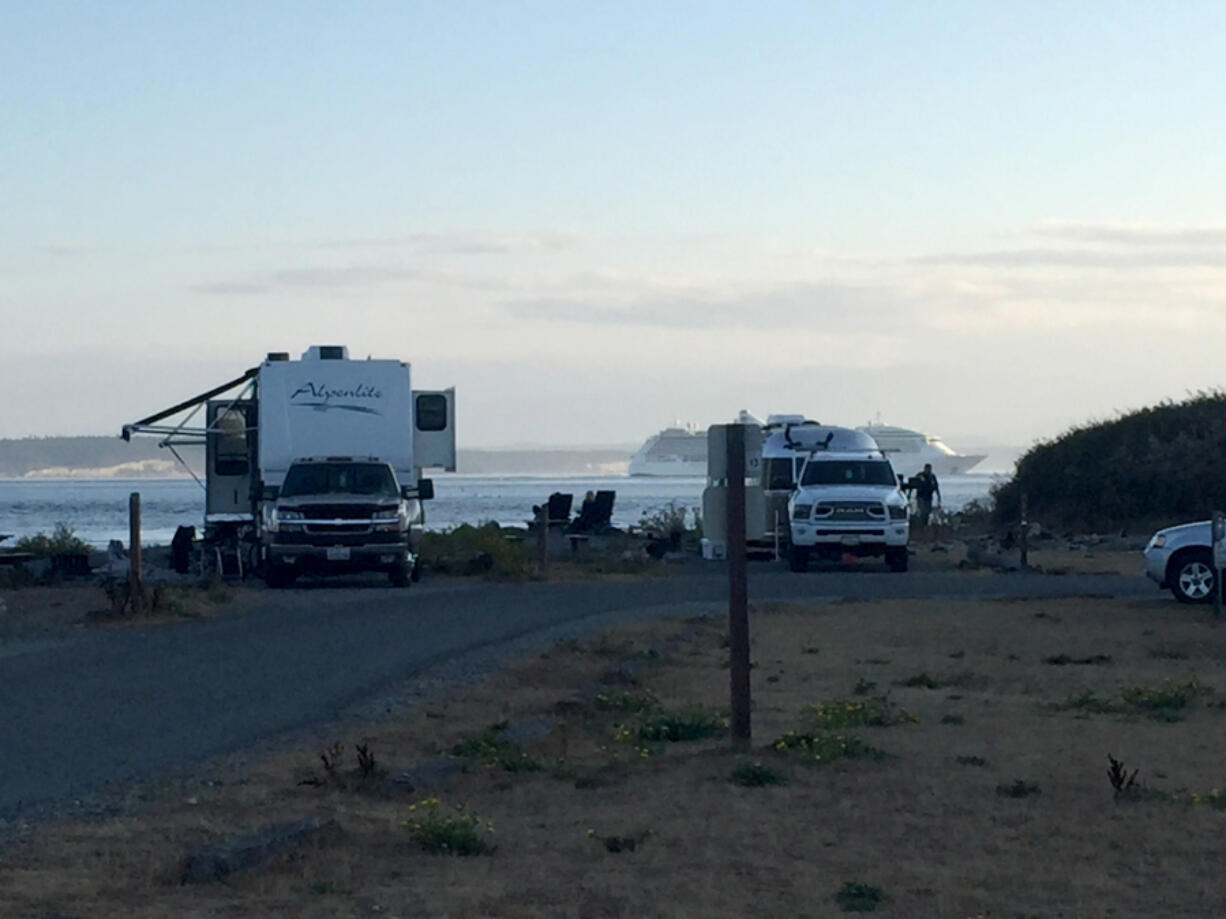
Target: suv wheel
{"type": "Point", "coordinates": [798, 558]}
{"type": "Point", "coordinates": [896, 558]}
{"type": "Point", "coordinates": [1191, 577]}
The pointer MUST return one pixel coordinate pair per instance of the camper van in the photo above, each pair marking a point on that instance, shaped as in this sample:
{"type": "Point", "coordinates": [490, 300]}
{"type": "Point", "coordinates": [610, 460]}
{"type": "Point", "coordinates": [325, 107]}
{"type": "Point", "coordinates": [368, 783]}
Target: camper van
{"type": "Point", "coordinates": [314, 466]}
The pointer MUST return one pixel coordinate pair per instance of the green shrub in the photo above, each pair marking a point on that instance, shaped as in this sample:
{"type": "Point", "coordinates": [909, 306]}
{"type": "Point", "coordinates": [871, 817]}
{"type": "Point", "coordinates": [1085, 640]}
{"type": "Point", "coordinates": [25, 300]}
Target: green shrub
{"type": "Point", "coordinates": [62, 541]}
{"type": "Point", "coordinates": [1158, 463]}
{"type": "Point", "coordinates": [484, 551]}
{"type": "Point", "coordinates": [670, 520]}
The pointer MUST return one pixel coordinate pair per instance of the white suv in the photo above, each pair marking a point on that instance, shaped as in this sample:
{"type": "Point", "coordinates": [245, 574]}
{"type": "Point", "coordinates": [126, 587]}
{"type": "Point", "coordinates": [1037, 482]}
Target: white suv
{"type": "Point", "coordinates": [848, 503]}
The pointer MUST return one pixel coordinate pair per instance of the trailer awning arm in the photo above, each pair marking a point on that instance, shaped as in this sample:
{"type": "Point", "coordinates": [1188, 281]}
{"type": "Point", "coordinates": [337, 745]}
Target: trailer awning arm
{"type": "Point", "coordinates": [146, 423]}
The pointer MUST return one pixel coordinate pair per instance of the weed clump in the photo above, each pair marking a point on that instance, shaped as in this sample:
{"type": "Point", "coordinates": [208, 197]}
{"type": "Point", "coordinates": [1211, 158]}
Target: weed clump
{"type": "Point", "coordinates": [842, 713]}
{"type": "Point", "coordinates": [1019, 788]}
{"type": "Point", "coordinates": [854, 897]}
{"type": "Point", "coordinates": [623, 702]}
{"type": "Point", "coordinates": [495, 751]}
{"type": "Point", "coordinates": [755, 775]}
{"type": "Point", "coordinates": [921, 681]}
{"type": "Point", "coordinates": [685, 724]}
{"type": "Point", "coordinates": [1166, 702]}
{"type": "Point", "coordinates": [1169, 701]}
{"type": "Point", "coordinates": [827, 746]}
{"type": "Point", "coordinates": [454, 833]}
{"type": "Point", "coordinates": [863, 687]}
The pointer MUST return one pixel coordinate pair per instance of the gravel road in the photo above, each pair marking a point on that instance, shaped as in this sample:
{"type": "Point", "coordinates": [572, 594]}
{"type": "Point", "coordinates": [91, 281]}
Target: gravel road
{"type": "Point", "coordinates": [107, 706]}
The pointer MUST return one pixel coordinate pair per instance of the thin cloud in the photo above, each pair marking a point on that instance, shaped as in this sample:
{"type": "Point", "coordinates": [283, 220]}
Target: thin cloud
{"type": "Point", "coordinates": [351, 276]}
{"type": "Point", "coordinates": [833, 307]}
{"type": "Point", "coordinates": [474, 242]}
{"type": "Point", "coordinates": [1122, 259]}
{"type": "Point", "coordinates": [229, 289]}
{"type": "Point", "coordinates": [1132, 234]}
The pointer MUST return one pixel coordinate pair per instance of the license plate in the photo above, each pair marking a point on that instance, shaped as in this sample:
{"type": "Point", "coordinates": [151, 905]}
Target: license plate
{"type": "Point", "coordinates": [338, 553]}
{"type": "Point", "coordinates": [851, 540]}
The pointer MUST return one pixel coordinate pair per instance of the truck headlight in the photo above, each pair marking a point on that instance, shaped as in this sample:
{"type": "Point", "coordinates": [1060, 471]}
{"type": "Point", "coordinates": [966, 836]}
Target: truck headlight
{"type": "Point", "coordinates": [387, 520]}
{"type": "Point", "coordinates": [898, 512]}
{"type": "Point", "coordinates": [802, 511]}
{"type": "Point", "coordinates": [287, 521]}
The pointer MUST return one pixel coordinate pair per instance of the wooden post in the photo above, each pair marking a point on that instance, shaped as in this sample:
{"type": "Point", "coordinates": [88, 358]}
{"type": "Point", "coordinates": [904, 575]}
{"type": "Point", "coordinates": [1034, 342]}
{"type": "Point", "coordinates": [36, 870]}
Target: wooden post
{"type": "Point", "coordinates": [542, 538]}
{"type": "Point", "coordinates": [1025, 534]}
{"type": "Point", "coordinates": [738, 590]}
{"type": "Point", "coordinates": [136, 575]}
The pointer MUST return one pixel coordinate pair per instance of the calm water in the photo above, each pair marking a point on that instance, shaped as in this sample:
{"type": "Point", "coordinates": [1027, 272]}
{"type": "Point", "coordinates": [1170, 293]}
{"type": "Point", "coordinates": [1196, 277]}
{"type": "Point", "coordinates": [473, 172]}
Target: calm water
{"type": "Point", "coordinates": [97, 509]}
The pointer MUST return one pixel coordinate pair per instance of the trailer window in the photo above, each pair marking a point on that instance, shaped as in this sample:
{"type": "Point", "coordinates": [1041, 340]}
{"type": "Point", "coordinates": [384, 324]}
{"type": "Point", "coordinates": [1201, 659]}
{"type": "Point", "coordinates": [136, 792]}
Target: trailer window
{"type": "Point", "coordinates": [230, 450]}
{"type": "Point", "coordinates": [777, 475]}
{"type": "Point", "coordinates": [431, 412]}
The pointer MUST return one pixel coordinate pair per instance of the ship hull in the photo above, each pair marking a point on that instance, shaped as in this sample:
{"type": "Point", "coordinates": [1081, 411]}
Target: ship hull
{"type": "Point", "coordinates": [663, 468]}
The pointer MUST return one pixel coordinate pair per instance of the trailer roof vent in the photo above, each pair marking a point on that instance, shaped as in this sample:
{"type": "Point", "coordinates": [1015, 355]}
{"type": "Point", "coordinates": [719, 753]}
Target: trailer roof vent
{"type": "Point", "coordinates": [326, 353]}
{"type": "Point", "coordinates": [274, 356]}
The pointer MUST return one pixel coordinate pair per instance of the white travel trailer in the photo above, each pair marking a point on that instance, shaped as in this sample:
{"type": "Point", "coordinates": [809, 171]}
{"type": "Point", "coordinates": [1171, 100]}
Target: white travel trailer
{"type": "Point", "coordinates": [315, 465]}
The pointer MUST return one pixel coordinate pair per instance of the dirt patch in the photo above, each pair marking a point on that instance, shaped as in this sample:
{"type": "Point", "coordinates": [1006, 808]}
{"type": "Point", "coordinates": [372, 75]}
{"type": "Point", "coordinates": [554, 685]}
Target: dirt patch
{"type": "Point", "coordinates": [42, 612]}
{"type": "Point", "coordinates": [614, 819]}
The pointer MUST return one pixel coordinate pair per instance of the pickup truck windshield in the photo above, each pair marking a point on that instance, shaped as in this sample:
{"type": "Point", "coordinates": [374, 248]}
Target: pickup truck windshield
{"type": "Point", "coordinates": [339, 478]}
{"type": "Point", "coordinates": [849, 472]}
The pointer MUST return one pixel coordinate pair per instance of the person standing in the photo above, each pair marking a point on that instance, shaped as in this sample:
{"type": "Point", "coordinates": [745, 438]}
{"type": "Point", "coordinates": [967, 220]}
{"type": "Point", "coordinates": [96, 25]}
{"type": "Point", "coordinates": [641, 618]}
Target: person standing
{"type": "Point", "coordinates": [927, 489]}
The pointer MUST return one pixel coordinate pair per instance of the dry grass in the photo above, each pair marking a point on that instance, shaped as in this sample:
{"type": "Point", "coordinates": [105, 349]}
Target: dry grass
{"type": "Point", "coordinates": [931, 833]}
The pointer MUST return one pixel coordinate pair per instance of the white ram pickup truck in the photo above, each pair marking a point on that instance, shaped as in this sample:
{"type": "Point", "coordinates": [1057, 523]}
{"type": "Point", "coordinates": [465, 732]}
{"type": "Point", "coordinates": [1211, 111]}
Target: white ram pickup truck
{"type": "Point", "coordinates": [848, 503]}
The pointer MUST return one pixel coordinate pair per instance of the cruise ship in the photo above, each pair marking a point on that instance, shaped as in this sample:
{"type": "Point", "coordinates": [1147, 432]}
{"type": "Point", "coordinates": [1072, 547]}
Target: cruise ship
{"type": "Point", "coordinates": [679, 450]}
{"type": "Point", "coordinates": [909, 451]}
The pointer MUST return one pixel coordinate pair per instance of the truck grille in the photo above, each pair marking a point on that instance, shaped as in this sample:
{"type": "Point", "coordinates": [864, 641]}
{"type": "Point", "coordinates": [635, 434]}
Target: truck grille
{"type": "Point", "coordinates": [362, 527]}
{"type": "Point", "coordinates": [849, 510]}
{"type": "Point", "coordinates": [338, 511]}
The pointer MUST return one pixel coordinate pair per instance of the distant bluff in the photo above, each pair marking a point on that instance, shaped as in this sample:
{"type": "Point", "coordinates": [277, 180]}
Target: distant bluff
{"type": "Point", "coordinates": [1157, 466]}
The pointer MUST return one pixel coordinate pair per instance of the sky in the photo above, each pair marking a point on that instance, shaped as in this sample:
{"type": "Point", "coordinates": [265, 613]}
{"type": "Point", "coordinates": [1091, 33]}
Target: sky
{"type": "Point", "coordinates": [986, 220]}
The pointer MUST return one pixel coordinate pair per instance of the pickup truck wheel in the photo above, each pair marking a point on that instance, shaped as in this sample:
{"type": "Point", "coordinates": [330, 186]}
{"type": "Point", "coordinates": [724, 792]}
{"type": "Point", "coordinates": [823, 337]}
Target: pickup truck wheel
{"type": "Point", "coordinates": [798, 558]}
{"type": "Point", "coordinates": [401, 575]}
{"type": "Point", "coordinates": [277, 577]}
{"type": "Point", "coordinates": [1191, 577]}
{"type": "Point", "coordinates": [896, 558]}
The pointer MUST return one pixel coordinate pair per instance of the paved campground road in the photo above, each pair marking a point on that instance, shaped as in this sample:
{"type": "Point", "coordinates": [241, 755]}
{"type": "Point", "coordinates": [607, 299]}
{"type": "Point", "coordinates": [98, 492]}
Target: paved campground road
{"type": "Point", "coordinates": [119, 704]}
